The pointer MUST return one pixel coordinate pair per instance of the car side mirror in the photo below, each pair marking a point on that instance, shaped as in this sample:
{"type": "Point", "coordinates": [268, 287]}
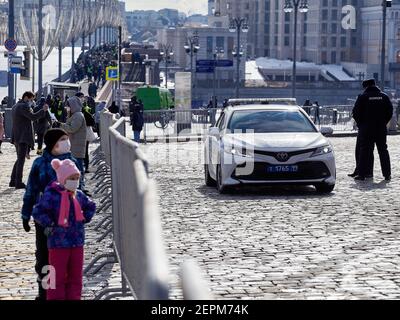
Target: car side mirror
{"type": "Point", "coordinates": [214, 132]}
{"type": "Point", "coordinates": [326, 131]}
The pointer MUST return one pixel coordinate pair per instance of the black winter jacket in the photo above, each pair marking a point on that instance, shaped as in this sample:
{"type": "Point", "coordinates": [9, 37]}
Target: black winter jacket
{"type": "Point", "coordinates": [373, 110]}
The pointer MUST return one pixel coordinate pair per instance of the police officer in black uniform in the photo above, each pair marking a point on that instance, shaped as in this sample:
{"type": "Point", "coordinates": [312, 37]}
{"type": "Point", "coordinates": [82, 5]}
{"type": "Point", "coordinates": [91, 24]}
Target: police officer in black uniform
{"type": "Point", "coordinates": [372, 112]}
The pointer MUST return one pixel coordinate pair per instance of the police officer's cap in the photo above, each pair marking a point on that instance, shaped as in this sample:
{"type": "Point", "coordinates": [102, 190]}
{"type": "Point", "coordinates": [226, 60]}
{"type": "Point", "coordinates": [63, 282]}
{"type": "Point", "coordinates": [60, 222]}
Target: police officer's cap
{"type": "Point", "coordinates": [369, 83]}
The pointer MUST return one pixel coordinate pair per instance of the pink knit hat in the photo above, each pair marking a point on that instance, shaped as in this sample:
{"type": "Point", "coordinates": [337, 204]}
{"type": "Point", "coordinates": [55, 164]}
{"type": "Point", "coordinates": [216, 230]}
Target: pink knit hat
{"type": "Point", "coordinates": [64, 169]}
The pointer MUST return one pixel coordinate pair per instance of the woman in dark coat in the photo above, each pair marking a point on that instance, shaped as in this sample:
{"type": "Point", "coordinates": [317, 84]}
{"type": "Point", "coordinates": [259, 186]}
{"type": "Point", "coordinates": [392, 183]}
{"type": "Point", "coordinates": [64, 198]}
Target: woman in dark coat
{"type": "Point", "coordinates": [137, 118]}
{"type": "Point", "coordinates": [42, 125]}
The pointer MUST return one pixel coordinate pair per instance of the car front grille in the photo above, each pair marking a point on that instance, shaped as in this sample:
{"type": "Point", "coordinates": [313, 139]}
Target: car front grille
{"type": "Point", "coordinates": [312, 170]}
{"type": "Point", "coordinates": [276, 155]}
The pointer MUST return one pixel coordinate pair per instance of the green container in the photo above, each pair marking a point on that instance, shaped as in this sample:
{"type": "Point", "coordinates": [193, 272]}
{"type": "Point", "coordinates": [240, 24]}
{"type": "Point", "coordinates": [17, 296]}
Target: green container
{"type": "Point", "coordinates": [155, 98]}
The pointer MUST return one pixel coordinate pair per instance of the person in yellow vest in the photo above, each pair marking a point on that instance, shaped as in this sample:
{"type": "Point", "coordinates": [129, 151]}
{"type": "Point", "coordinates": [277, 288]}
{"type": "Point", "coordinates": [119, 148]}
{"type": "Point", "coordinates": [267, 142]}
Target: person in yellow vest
{"type": "Point", "coordinates": [58, 109]}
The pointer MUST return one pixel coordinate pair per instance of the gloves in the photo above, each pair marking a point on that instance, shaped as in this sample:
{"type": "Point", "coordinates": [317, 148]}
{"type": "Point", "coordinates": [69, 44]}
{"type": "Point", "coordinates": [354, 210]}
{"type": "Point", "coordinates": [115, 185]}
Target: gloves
{"type": "Point", "coordinates": [47, 231]}
{"type": "Point", "coordinates": [26, 225]}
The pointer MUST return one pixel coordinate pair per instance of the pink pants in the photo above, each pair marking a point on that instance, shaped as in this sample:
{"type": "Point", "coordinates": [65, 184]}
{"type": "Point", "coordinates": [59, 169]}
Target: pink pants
{"type": "Point", "coordinates": [68, 264]}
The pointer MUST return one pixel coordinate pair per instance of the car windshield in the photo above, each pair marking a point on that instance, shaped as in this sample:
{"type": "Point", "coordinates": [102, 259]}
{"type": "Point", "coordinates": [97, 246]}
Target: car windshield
{"type": "Point", "coordinates": [269, 121]}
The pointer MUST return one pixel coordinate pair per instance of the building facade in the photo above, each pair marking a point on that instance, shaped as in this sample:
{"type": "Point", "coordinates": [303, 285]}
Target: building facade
{"type": "Point", "coordinates": [371, 26]}
{"type": "Point", "coordinates": [209, 39]}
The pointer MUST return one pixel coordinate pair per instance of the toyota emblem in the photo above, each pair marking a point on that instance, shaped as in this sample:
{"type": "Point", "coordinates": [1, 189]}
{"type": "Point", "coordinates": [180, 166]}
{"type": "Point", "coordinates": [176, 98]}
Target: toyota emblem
{"type": "Point", "coordinates": [282, 156]}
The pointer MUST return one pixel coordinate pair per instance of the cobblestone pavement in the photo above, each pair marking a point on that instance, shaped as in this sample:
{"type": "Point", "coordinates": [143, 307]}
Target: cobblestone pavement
{"type": "Point", "coordinates": [286, 243]}
{"type": "Point", "coordinates": [17, 277]}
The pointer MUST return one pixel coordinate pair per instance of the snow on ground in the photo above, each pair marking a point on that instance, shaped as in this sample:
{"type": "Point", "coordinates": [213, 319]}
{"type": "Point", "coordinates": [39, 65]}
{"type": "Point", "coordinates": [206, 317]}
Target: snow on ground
{"type": "Point", "coordinates": [274, 64]}
{"type": "Point", "coordinates": [337, 71]}
{"type": "Point", "coordinates": [252, 72]}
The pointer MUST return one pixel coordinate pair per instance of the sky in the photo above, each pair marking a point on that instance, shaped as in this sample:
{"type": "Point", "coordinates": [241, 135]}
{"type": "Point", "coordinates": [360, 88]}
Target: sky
{"type": "Point", "coordinates": [187, 6]}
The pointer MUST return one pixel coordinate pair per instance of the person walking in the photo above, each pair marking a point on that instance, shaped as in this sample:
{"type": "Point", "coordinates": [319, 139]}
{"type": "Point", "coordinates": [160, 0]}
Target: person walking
{"type": "Point", "coordinates": [63, 211]}
{"type": "Point", "coordinates": [1, 130]}
{"type": "Point", "coordinates": [90, 124]}
{"type": "Point", "coordinates": [41, 125]}
{"type": "Point", "coordinates": [372, 112]}
{"type": "Point", "coordinates": [76, 128]}
{"type": "Point", "coordinates": [370, 170]}
{"type": "Point", "coordinates": [307, 106]}
{"type": "Point", "coordinates": [58, 109]}
{"type": "Point", "coordinates": [317, 114]}
{"type": "Point", "coordinates": [92, 90]}
{"type": "Point", "coordinates": [114, 108]}
{"type": "Point", "coordinates": [58, 147]}
{"type": "Point", "coordinates": [99, 108]}
{"type": "Point", "coordinates": [137, 118]}
{"type": "Point", "coordinates": [22, 135]}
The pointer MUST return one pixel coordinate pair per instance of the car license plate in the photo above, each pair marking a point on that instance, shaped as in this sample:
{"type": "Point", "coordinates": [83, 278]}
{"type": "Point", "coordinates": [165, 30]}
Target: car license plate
{"type": "Point", "coordinates": [282, 169]}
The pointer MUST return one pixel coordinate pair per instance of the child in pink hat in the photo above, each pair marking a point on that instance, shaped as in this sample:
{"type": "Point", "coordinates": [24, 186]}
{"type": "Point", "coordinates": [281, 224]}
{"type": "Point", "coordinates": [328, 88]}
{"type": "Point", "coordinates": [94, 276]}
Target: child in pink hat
{"type": "Point", "coordinates": [63, 211]}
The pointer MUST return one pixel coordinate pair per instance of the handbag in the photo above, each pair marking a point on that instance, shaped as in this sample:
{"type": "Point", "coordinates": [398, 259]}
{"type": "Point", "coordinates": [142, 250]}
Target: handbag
{"type": "Point", "coordinates": [90, 136]}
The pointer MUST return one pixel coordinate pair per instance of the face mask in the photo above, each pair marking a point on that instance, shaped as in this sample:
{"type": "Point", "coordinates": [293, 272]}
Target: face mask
{"type": "Point", "coordinates": [63, 147]}
{"type": "Point", "coordinates": [71, 185]}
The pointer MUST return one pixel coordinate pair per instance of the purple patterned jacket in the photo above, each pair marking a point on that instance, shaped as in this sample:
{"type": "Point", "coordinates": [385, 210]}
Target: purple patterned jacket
{"type": "Point", "coordinates": [46, 214]}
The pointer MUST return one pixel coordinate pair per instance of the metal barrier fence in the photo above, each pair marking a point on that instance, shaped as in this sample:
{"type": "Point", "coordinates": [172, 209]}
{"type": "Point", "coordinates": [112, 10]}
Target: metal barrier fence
{"type": "Point", "coordinates": [193, 285]}
{"type": "Point", "coordinates": [337, 117]}
{"type": "Point", "coordinates": [134, 221]}
{"type": "Point", "coordinates": [170, 122]}
{"type": "Point", "coordinates": [198, 121]}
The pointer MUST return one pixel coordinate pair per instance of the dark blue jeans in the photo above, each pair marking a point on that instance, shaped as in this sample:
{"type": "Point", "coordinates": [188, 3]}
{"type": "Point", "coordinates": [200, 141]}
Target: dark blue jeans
{"type": "Point", "coordinates": [82, 170]}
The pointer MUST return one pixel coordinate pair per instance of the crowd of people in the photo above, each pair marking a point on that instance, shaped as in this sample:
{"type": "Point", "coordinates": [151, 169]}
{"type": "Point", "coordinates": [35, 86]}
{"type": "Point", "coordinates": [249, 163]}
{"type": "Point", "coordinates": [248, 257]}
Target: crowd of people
{"type": "Point", "coordinates": [55, 194]}
{"type": "Point", "coordinates": [92, 64]}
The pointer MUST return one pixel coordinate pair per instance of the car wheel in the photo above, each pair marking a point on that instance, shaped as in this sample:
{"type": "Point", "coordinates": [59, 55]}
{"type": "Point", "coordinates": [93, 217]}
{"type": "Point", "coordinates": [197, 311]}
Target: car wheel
{"type": "Point", "coordinates": [324, 188]}
{"type": "Point", "coordinates": [221, 188]}
{"type": "Point", "coordinates": [210, 182]}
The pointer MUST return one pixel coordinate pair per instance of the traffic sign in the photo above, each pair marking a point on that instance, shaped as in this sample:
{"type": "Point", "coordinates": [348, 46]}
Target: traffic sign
{"type": "Point", "coordinates": [112, 74]}
{"type": "Point", "coordinates": [205, 63]}
{"type": "Point", "coordinates": [10, 44]}
{"type": "Point", "coordinates": [204, 69]}
{"type": "Point", "coordinates": [217, 63]}
{"type": "Point", "coordinates": [224, 63]}
{"type": "Point", "coordinates": [15, 64]}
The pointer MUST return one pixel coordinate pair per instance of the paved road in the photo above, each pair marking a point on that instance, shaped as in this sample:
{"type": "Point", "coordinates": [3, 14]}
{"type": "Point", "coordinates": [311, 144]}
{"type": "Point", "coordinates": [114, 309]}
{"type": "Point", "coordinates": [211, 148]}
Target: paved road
{"type": "Point", "coordinates": [283, 243]}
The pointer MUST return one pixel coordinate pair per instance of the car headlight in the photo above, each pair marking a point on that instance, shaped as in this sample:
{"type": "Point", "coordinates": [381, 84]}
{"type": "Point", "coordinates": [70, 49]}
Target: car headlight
{"type": "Point", "coordinates": [322, 150]}
{"type": "Point", "coordinates": [238, 151]}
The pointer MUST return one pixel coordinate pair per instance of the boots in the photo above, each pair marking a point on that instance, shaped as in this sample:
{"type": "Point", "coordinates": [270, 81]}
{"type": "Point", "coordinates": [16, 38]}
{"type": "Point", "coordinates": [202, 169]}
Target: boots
{"type": "Point", "coordinates": [42, 294]}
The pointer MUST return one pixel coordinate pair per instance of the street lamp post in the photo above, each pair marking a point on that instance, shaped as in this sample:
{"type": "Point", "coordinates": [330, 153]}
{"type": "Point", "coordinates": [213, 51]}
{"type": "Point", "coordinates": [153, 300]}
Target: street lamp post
{"type": "Point", "coordinates": [302, 6]}
{"type": "Point", "coordinates": [385, 4]}
{"type": "Point", "coordinates": [219, 52]}
{"type": "Point", "coordinates": [11, 35]}
{"type": "Point", "coordinates": [90, 24]}
{"type": "Point", "coordinates": [238, 25]}
{"type": "Point", "coordinates": [40, 48]}
{"type": "Point", "coordinates": [192, 47]}
{"type": "Point", "coordinates": [167, 54]}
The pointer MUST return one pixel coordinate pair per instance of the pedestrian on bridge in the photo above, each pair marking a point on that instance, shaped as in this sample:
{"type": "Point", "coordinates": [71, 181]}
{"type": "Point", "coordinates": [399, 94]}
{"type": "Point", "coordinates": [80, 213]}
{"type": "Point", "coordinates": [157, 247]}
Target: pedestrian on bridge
{"type": "Point", "coordinates": [136, 110]}
{"type": "Point", "coordinates": [23, 135]}
{"type": "Point", "coordinates": [1, 130]}
{"type": "Point", "coordinates": [41, 175]}
{"type": "Point", "coordinates": [58, 109]}
{"type": "Point", "coordinates": [99, 108]}
{"type": "Point", "coordinates": [41, 125]}
{"type": "Point", "coordinates": [373, 111]}
{"type": "Point", "coordinates": [76, 128]}
{"type": "Point", "coordinates": [114, 109]}
{"type": "Point", "coordinates": [90, 124]}
{"type": "Point", "coordinates": [63, 211]}
{"type": "Point", "coordinates": [92, 90]}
